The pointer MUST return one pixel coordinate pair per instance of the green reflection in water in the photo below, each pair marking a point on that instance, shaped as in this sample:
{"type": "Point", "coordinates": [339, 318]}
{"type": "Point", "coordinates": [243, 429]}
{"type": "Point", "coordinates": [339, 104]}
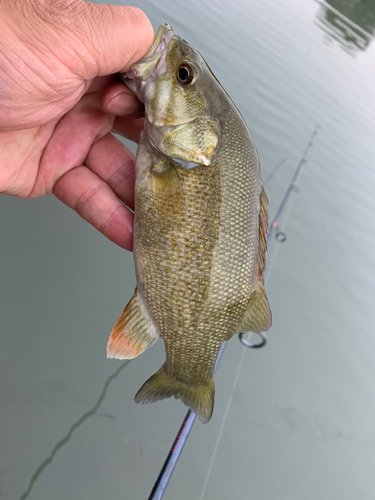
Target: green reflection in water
{"type": "Point", "coordinates": [350, 22]}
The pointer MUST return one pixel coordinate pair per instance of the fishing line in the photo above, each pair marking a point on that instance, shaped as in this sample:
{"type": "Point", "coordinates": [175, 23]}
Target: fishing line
{"type": "Point", "coordinates": [226, 412]}
{"type": "Point", "coordinates": [273, 171]}
{"type": "Point", "coordinates": [188, 422]}
{"type": "Point", "coordinates": [222, 425]}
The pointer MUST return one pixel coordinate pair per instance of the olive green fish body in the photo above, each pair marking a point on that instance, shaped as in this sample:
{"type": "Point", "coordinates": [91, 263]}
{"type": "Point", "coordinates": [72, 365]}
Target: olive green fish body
{"type": "Point", "coordinates": [198, 219]}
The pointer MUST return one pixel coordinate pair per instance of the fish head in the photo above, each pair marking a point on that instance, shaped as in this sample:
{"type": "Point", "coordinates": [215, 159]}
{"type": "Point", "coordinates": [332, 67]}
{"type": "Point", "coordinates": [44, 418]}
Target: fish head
{"type": "Point", "coordinates": [171, 80]}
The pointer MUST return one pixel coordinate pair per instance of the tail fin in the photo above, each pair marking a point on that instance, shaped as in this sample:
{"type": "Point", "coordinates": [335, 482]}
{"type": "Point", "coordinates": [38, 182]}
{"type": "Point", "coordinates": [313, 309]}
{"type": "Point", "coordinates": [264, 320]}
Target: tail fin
{"type": "Point", "coordinates": [199, 398]}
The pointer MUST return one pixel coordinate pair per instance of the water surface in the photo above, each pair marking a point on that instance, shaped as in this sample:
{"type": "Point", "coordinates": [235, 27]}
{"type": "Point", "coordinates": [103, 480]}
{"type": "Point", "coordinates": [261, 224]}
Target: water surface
{"type": "Point", "coordinates": [295, 420]}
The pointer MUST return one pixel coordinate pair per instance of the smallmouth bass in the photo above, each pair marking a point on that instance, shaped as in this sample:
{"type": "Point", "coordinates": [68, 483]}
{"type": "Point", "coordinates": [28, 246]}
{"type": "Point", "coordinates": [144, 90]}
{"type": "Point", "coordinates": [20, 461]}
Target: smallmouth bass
{"type": "Point", "coordinates": [200, 226]}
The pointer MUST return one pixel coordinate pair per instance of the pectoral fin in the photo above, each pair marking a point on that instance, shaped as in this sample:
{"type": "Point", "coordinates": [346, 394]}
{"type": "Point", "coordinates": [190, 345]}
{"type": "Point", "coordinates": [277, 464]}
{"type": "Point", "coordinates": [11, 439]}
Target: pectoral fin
{"type": "Point", "coordinates": [167, 191]}
{"type": "Point", "coordinates": [132, 334]}
{"type": "Point", "coordinates": [257, 317]}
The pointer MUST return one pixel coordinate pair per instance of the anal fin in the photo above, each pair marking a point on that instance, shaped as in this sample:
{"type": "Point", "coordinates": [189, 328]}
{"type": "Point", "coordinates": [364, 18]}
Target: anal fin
{"type": "Point", "coordinates": [132, 334]}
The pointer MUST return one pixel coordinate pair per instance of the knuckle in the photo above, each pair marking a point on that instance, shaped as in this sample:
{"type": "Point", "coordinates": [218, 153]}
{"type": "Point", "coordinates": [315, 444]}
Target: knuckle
{"type": "Point", "coordinates": [82, 205]}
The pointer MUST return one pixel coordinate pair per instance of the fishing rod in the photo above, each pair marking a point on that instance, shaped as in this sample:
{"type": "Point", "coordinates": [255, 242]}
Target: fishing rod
{"type": "Point", "coordinates": [188, 422]}
{"type": "Point", "coordinates": [176, 449]}
{"type": "Point", "coordinates": [292, 185]}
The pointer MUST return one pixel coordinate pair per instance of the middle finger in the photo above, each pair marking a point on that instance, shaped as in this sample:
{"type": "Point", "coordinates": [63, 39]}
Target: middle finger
{"type": "Point", "coordinates": [114, 163]}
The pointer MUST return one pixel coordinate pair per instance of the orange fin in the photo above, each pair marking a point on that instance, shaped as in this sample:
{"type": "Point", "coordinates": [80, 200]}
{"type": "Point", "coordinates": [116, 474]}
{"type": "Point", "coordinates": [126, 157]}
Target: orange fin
{"type": "Point", "coordinates": [257, 317]}
{"type": "Point", "coordinates": [199, 398]}
{"type": "Point", "coordinates": [132, 334]}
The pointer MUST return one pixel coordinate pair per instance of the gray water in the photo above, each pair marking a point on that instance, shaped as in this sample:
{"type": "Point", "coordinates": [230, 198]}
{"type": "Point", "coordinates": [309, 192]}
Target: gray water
{"type": "Point", "coordinates": [292, 421]}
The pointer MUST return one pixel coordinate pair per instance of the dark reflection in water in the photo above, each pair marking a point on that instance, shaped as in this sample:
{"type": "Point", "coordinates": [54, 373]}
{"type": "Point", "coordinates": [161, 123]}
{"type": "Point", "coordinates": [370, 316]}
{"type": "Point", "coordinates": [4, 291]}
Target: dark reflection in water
{"type": "Point", "coordinates": [350, 22]}
{"type": "Point", "coordinates": [78, 423]}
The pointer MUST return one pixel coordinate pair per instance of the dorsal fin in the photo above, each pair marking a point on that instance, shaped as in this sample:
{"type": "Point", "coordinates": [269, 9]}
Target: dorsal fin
{"type": "Point", "coordinates": [263, 230]}
{"type": "Point", "coordinates": [257, 317]}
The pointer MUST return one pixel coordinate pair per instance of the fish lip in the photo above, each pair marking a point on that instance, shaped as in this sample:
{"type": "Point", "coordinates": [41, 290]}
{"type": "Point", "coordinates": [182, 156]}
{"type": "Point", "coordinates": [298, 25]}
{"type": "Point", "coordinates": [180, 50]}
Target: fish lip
{"type": "Point", "coordinates": [160, 35]}
{"type": "Point", "coordinates": [151, 64]}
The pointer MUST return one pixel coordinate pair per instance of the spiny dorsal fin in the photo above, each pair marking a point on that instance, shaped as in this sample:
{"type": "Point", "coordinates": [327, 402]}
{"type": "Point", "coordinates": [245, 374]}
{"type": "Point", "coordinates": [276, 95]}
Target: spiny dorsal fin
{"type": "Point", "coordinates": [263, 230]}
{"type": "Point", "coordinates": [132, 334]}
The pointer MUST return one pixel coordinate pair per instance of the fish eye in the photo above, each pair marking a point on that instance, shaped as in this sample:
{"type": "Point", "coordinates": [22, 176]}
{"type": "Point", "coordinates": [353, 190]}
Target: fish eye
{"type": "Point", "coordinates": [185, 74]}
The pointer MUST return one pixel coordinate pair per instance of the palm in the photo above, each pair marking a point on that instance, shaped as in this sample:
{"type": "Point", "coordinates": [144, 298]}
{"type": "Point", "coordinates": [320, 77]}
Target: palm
{"type": "Point", "coordinates": [40, 152]}
{"type": "Point", "coordinates": [58, 108]}
{"type": "Point", "coordinates": [68, 156]}
{"type": "Point", "coordinates": [57, 119]}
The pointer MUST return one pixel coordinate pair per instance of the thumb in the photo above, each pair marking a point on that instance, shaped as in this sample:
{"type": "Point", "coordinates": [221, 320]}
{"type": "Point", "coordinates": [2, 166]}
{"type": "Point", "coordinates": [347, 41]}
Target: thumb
{"type": "Point", "coordinates": [110, 37]}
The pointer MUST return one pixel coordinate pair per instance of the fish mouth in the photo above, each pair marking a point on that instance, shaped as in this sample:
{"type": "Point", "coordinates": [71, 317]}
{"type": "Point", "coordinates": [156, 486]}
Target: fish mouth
{"type": "Point", "coordinates": [152, 64]}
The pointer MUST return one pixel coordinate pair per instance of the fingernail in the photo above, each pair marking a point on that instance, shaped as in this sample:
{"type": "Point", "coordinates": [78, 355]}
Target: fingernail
{"type": "Point", "coordinates": [123, 104]}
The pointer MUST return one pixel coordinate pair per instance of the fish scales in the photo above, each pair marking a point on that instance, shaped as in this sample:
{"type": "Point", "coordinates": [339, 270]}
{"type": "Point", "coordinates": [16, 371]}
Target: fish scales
{"type": "Point", "coordinates": [178, 275]}
{"type": "Point", "coordinates": [197, 253]}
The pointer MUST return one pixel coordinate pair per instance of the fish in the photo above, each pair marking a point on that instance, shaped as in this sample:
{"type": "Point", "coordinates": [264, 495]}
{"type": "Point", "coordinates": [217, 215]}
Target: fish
{"type": "Point", "coordinates": [200, 226]}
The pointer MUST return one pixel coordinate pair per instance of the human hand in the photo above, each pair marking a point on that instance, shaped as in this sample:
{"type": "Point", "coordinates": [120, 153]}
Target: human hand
{"type": "Point", "coordinates": [58, 106]}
